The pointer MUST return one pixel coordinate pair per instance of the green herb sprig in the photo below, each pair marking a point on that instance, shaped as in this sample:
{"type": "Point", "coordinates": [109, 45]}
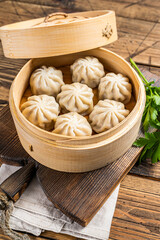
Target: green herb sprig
{"type": "Point", "coordinates": [151, 144]}
{"type": "Point", "coordinates": [151, 117]}
{"type": "Point", "coordinates": [151, 114]}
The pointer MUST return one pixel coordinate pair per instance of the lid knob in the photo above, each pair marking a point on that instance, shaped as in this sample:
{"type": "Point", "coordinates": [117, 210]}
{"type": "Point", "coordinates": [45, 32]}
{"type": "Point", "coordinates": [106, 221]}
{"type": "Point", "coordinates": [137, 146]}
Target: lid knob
{"type": "Point", "coordinates": [55, 14]}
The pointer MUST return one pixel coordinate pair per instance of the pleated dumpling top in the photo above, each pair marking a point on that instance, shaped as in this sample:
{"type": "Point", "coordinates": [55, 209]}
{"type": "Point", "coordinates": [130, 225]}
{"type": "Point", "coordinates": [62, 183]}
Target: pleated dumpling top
{"type": "Point", "coordinates": [41, 110]}
{"type": "Point", "coordinates": [46, 80]}
{"type": "Point", "coordinates": [76, 97]}
{"type": "Point", "coordinates": [115, 87]}
{"type": "Point", "coordinates": [72, 124]}
{"type": "Point", "coordinates": [87, 70]}
{"type": "Point", "coordinates": [107, 114]}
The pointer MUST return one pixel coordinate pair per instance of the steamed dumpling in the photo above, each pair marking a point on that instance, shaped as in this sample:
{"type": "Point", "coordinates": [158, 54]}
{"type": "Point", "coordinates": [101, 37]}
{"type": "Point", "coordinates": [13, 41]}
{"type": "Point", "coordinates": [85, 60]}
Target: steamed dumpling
{"type": "Point", "coordinates": [41, 110]}
{"type": "Point", "coordinates": [72, 124]}
{"type": "Point", "coordinates": [116, 87]}
{"type": "Point", "coordinates": [107, 114]}
{"type": "Point", "coordinates": [76, 97]}
{"type": "Point", "coordinates": [87, 70]}
{"type": "Point", "coordinates": [46, 80]}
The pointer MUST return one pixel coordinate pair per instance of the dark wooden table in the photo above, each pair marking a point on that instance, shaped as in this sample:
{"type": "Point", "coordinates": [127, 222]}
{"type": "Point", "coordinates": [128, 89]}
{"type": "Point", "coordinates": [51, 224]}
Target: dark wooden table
{"type": "Point", "coordinates": [137, 214]}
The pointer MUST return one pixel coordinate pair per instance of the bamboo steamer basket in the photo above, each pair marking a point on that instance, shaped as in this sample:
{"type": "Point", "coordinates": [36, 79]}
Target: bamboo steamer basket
{"type": "Point", "coordinates": [65, 153]}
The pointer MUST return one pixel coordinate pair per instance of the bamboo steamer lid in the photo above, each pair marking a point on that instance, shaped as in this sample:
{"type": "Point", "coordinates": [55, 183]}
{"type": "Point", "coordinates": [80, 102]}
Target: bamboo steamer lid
{"type": "Point", "coordinates": [59, 34]}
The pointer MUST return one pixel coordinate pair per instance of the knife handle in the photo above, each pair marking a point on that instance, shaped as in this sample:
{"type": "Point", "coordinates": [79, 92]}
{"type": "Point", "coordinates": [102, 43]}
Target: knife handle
{"type": "Point", "coordinates": [15, 184]}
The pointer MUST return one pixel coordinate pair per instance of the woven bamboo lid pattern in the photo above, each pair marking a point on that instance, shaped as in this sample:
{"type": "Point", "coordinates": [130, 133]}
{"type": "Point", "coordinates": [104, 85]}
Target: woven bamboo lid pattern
{"type": "Point", "coordinates": [58, 34]}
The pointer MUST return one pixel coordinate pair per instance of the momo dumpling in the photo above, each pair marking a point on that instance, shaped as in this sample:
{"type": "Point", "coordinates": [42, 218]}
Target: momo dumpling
{"type": "Point", "coordinates": [72, 124]}
{"type": "Point", "coordinates": [115, 87]}
{"type": "Point", "coordinates": [87, 70]}
{"type": "Point", "coordinates": [41, 110]}
{"type": "Point", "coordinates": [107, 114]}
{"type": "Point", "coordinates": [76, 97]}
{"type": "Point", "coordinates": [46, 80]}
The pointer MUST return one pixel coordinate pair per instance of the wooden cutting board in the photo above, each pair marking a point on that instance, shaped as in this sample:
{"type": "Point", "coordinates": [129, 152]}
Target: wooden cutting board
{"type": "Point", "coordinates": [78, 195]}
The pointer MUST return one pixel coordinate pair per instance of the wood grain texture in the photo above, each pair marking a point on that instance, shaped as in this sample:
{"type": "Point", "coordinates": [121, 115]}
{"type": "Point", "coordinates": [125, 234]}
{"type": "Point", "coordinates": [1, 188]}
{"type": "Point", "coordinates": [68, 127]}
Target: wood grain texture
{"type": "Point", "coordinates": [141, 39]}
{"type": "Point", "coordinates": [15, 185]}
{"type": "Point", "coordinates": [137, 33]}
{"type": "Point", "coordinates": [58, 236]}
{"type": "Point", "coordinates": [143, 10]}
{"type": "Point", "coordinates": [3, 237]}
{"type": "Point", "coordinates": [147, 169]}
{"type": "Point", "coordinates": [137, 214]}
{"type": "Point", "coordinates": [80, 196]}
{"type": "Point", "coordinates": [74, 32]}
{"type": "Point", "coordinates": [15, 153]}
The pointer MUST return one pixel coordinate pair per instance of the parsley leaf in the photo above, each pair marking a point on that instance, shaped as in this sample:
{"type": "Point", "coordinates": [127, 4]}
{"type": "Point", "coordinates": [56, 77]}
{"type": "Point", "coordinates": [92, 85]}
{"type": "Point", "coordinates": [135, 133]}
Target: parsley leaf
{"type": "Point", "coordinates": [151, 117]}
{"type": "Point", "coordinates": [151, 144]}
{"type": "Point", "coordinates": [156, 155]}
{"type": "Point", "coordinates": [156, 99]}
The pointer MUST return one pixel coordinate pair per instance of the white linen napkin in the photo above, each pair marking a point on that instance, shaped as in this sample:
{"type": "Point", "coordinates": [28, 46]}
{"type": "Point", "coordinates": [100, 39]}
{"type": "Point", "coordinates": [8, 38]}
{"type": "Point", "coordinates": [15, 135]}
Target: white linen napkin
{"type": "Point", "coordinates": [34, 213]}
